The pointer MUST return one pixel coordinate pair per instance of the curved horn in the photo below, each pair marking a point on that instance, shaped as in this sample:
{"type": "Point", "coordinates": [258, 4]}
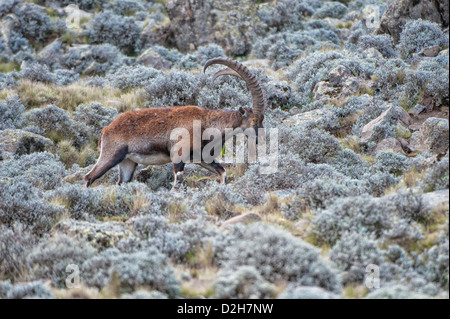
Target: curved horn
{"type": "Point", "coordinates": [227, 71]}
{"type": "Point", "coordinates": [253, 84]}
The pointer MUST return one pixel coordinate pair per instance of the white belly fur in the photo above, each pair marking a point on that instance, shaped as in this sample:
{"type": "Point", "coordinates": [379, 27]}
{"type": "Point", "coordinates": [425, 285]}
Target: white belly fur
{"type": "Point", "coordinates": [154, 159]}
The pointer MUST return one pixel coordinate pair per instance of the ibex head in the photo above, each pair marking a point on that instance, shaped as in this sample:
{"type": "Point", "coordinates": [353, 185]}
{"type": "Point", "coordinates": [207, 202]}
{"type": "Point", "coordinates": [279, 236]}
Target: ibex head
{"type": "Point", "coordinates": [251, 118]}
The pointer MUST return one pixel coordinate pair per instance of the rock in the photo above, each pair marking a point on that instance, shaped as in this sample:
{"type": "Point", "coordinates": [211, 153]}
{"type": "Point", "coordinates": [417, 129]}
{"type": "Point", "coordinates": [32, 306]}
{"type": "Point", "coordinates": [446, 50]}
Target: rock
{"type": "Point", "coordinates": [74, 16]}
{"type": "Point", "coordinates": [156, 33]}
{"type": "Point", "coordinates": [435, 199]}
{"type": "Point", "coordinates": [241, 219]}
{"type": "Point", "coordinates": [430, 52]}
{"type": "Point", "coordinates": [393, 115]}
{"type": "Point", "coordinates": [51, 51]}
{"type": "Point", "coordinates": [341, 84]}
{"type": "Point", "coordinates": [8, 25]}
{"type": "Point", "coordinates": [20, 142]}
{"type": "Point", "coordinates": [432, 137]}
{"type": "Point", "coordinates": [390, 144]}
{"type": "Point", "coordinates": [101, 235]}
{"type": "Point", "coordinates": [416, 110]}
{"type": "Point", "coordinates": [318, 118]}
{"type": "Point", "coordinates": [444, 52]}
{"type": "Point", "coordinates": [398, 12]}
{"type": "Point", "coordinates": [153, 59]}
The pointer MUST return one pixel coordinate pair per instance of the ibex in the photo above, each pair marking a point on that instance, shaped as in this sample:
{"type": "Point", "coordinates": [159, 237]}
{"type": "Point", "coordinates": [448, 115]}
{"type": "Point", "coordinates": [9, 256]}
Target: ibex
{"type": "Point", "coordinates": [143, 136]}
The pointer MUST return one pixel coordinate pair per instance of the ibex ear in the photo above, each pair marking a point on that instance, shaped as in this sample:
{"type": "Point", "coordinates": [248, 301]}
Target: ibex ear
{"type": "Point", "coordinates": [242, 110]}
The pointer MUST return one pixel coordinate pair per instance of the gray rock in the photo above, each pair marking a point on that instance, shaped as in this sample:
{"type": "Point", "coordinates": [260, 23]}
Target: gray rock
{"type": "Point", "coordinates": [436, 199]}
{"type": "Point", "coordinates": [400, 11]}
{"type": "Point", "coordinates": [153, 59]}
{"type": "Point", "coordinates": [241, 219]}
{"type": "Point", "coordinates": [393, 115]}
{"type": "Point", "coordinates": [430, 51]}
{"type": "Point", "coordinates": [390, 144]}
{"type": "Point", "coordinates": [416, 110]}
{"type": "Point", "coordinates": [318, 118]}
{"type": "Point", "coordinates": [20, 142]}
{"type": "Point", "coordinates": [432, 137]}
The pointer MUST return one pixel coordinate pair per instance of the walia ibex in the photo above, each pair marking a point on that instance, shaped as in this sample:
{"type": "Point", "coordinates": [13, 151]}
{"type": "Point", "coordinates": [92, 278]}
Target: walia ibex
{"type": "Point", "coordinates": [144, 136]}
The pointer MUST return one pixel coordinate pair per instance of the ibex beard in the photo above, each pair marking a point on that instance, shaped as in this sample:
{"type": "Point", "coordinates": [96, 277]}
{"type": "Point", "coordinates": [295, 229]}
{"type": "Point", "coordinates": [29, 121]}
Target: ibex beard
{"type": "Point", "coordinates": [146, 136]}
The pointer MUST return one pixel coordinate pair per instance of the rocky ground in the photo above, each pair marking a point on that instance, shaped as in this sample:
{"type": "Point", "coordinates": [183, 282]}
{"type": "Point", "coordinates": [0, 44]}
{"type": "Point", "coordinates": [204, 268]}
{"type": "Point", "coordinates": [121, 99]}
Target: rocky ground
{"type": "Point", "coordinates": [358, 91]}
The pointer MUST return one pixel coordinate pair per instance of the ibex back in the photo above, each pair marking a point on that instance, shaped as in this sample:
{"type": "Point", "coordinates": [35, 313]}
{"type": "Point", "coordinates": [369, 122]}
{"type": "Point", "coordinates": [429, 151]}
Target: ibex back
{"type": "Point", "coordinates": [144, 136]}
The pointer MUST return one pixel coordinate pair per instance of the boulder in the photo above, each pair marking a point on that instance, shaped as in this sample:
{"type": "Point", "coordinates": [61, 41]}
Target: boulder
{"type": "Point", "coordinates": [398, 12]}
{"type": "Point", "coordinates": [153, 59]}
{"type": "Point", "coordinates": [436, 199]}
{"type": "Point", "coordinates": [394, 116]}
{"type": "Point", "coordinates": [51, 52]}
{"type": "Point", "coordinates": [241, 219]}
{"type": "Point", "coordinates": [390, 144]}
{"type": "Point", "coordinates": [20, 142]}
{"type": "Point", "coordinates": [432, 136]}
{"type": "Point", "coordinates": [430, 52]}
{"type": "Point", "coordinates": [318, 118]}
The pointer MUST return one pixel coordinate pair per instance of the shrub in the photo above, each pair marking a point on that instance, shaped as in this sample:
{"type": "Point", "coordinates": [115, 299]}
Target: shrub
{"type": "Point", "coordinates": [50, 258]}
{"type": "Point", "coordinates": [395, 292]}
{"type": "Point", "coordinates": [23, 203]}
{"type": "Point", "coordinates": [244, 283]}
{"type": "Point", "coordinates": [94, 59]}
{"type": "Point", "coordinates": [419, 34]}
{"type": "Point", "coordinates": [35, 71]}
{"type": "Point", "coordinates": [42, 170]}
{"type": "Point", "coordinates": [352, 254]}
{"type": "Point", "coordinates": [15, 243]}
{"type": "Point", "coordinates": [127, 77]}
{"type": "Point", "coordinates": [8, 80]}
{"type": "Point", "coordinates": [206, 52]}
{"type": "Point", "coordinates": [331, 9]}
{"type": "Point", "coordinates": [312, 146]}
{"type": "Point", "coordinates": [390, 162]}
{"type": "Point", "coordinates": [124, 7]}
{"type": "Point", "coordinates": [11, 113]}
{"type": "Point", "coordinates": [286, 14]}
{"type": "Point", "coordinates": [436, 177]}
{"type": "Point", "coordinates": [108, 27]}
{"type": "Point", "coordinates": [55, 123]}
{"type": "Point", "coordinates": [174, 88]}
{"type": "Point", "coordinates": [383, 43]}
{"type": "Point", "coordinates": [34, 22]}
{"type": "Point", "coordinates": [277, 255]}
{"type": "Point", "coordinates": [360, 214]}
{"type": "Point", "coordinates": [94, 116]}
{"type": "Point", "coordinates": [144, 268]}
{"type": "Point", "coordinates": [27, 290]}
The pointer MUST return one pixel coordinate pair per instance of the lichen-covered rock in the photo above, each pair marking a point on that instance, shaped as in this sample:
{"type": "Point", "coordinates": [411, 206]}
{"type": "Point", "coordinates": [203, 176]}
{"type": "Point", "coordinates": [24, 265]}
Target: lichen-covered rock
{"type": "Point", "coordinates": [435, 199]}
{"type": "Point", "coordinates": [241, 219]}
{"type": "Point", "coordinates": [401, 11]}
{"type": "Point", "coordinates": [385, 125]}
{"type": "Point", "coordinates": [20, 142]}
{"type": "Point", "coordinates": [390, 144]}
{"type": "Point", "coordinates": [432, 136]}
{"type": "Point", "coordinates": [317, 118]}
{"type": "Point", "coordinates": [153, 59]}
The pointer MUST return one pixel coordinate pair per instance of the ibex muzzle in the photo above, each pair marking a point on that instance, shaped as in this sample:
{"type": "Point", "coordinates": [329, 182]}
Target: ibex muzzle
{"type": "Point", "coordinates": [143, 136]}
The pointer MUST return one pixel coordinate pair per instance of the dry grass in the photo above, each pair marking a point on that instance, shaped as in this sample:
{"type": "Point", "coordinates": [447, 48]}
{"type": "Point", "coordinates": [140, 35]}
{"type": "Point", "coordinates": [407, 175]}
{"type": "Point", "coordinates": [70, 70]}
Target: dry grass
{"type": "Point", "coordinates": [36, 94]}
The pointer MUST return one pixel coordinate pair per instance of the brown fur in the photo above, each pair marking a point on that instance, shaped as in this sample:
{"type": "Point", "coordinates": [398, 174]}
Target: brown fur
{"type": "Point", "coordinates": [147, 132]}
